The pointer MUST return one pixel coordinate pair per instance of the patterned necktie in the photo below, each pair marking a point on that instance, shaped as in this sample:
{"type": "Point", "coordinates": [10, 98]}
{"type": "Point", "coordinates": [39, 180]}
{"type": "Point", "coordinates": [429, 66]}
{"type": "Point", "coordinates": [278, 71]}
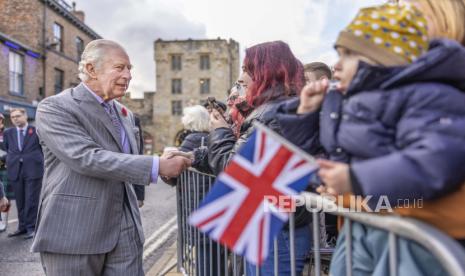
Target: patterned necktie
{"type": "Point", "coordinates": [117, 124]}
{"type": "Point", "coordinates": [114, 118]}
{"type": "Point", "coordinates": [21, 139]}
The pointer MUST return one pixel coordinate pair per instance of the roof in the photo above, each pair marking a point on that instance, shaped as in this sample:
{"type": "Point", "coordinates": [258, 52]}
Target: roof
{"type": "Point", "coordinates": [62, 8]}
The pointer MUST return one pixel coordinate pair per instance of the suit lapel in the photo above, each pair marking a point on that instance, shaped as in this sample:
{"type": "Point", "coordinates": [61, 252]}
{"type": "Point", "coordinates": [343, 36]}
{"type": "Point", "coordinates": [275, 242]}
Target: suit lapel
{"type": "Point", "coordinates": [91, 106]}
{"type": "Point", "coordinates": [128, 128]}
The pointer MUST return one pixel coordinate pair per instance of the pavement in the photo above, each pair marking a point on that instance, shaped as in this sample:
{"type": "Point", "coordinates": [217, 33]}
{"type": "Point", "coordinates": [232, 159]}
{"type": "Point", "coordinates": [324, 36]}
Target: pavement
{"type": "Point", "coordinates": [160, 229]}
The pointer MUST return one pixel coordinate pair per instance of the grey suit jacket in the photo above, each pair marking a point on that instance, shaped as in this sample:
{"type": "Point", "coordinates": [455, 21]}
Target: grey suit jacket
{"type": "Point", "coordinates": [86, 174]}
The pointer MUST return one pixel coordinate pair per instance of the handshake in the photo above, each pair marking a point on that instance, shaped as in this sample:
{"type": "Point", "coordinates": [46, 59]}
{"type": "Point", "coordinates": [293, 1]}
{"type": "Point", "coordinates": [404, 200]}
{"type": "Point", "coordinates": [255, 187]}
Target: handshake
{"type": "Point", "coordinates": [173, 162]}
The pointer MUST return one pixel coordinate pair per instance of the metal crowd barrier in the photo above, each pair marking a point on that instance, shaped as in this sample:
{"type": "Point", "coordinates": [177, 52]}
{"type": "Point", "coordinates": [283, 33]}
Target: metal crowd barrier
{"type": "Point", "coordinates": [197, 255]}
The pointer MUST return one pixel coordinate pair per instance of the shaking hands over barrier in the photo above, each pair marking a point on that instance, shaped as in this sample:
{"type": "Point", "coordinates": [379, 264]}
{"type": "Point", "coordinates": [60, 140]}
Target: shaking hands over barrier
{"type": "Point", "coordinates": [173, 165]}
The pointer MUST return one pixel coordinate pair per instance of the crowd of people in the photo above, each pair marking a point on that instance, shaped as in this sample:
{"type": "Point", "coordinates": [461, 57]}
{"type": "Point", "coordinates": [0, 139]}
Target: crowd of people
{"type": "Point", "coordinates": [393, 125]}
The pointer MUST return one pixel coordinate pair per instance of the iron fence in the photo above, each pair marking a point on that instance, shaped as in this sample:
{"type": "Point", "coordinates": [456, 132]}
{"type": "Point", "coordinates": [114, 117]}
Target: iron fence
{"type": "Point", "coordinates": [199, 255]}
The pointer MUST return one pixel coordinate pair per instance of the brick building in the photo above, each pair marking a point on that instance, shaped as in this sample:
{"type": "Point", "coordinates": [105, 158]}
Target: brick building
{"type": "Point", "coordinates": [187, 72]}
{"type": "Point", "coordinates": [40, 46]}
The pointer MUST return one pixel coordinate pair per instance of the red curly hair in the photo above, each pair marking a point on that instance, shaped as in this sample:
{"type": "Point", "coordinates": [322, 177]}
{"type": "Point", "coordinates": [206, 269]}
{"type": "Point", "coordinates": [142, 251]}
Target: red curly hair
{"type": "Point", "coordinates": [275, 72]}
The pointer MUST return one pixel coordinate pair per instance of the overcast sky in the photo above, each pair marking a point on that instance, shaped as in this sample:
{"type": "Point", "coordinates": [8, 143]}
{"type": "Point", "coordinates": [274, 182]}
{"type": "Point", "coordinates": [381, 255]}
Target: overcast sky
{"type": "Point", "coordinates": [309, 26]}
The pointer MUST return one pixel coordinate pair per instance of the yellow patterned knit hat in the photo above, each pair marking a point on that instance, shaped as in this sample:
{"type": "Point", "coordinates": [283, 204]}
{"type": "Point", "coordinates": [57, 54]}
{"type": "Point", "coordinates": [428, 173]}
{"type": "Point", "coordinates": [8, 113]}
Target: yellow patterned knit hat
{"type": "Point", "coordinates": [391, 34]}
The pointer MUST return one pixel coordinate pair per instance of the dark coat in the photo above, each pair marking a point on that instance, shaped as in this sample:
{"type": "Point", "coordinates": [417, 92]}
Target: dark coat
{"type": "Point", "coordinates": [402, 129]}
{"type": "Point", "coordinates": [30, 156]}
{"type": "Point", "coordinates": [139, 189]}
{"type": "Point", "coordinates": [193, 140]}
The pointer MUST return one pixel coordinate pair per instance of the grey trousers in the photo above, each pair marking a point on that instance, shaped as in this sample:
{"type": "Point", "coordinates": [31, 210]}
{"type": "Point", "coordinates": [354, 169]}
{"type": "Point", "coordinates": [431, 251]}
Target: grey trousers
{"type": "Point", "coordinates": [124, 259]}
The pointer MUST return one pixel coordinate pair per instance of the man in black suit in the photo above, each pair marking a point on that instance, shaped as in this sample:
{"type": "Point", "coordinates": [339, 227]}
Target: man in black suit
{"type": "Point", "coordinates": [25, 169]}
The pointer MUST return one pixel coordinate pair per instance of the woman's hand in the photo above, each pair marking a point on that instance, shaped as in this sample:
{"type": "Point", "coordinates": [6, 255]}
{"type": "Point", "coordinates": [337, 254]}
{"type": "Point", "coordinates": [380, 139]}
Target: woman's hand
{"type": "Point", "coordinates": [312, 96]}
{"type": "Point", "coordinates": [335, 176]}
{"type": "Point", "coordinates": [216, 120]}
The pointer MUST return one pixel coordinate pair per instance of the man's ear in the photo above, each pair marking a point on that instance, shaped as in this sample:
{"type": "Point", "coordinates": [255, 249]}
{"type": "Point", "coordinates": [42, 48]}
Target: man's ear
{"type": "Point", "coordinates": [90, 68]}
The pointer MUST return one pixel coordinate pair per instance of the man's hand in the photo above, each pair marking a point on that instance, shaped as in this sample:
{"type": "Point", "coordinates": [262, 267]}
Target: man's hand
{"type": "Point", "coordinates": [216, 120]}
{"type": "Point", "coordinates": [335, 176]}
{"type": "Point", "coordinates": [312, 96]}
{"type": "Point", "coordinates": [172, 167]}
{"type": "Point", "coordinates": [3, 204]}
{"type": "Point", "coordinates": [140, 203]}
{"type": "Point", "coordinates": [171, 154]}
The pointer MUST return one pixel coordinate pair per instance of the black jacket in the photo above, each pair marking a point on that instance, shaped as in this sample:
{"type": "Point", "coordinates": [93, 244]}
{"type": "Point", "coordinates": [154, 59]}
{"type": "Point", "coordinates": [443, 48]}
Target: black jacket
{"type": "Point", "coordinates": [139, 189]}
{"type": "Point", "coordinates": [194, 140]}
{"type": "Point", "coordinates": [30, 157]}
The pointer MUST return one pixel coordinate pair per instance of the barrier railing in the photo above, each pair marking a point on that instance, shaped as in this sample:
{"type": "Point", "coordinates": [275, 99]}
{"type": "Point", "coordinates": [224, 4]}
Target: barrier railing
{"type": "Point", "coordinates": [199, 255]}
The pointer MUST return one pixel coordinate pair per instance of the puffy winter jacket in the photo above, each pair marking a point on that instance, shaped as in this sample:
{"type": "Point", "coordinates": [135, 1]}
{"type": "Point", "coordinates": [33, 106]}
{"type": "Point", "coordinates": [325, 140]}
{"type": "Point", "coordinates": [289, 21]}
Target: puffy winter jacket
{"type": "Point", "coordinates": [402, 129]}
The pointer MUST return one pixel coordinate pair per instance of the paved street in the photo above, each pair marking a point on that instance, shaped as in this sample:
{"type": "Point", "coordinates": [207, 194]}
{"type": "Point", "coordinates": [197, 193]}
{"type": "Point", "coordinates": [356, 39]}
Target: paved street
{"type": "Point", "coordinates": [159, 222]}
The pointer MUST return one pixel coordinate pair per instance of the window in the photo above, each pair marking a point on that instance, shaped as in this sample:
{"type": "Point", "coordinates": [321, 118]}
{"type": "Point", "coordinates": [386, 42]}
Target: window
{"type": "Point", "coordinates": [205, 62]}
{"type": "Point", "coordinates": [176, 86]}
{"type": "Point", "coordinates": [16, 73]}
{"type": "Point", "coordinates": [176, 63]}
{"type": "Point", "coordinates": [79, 47]}
{"type": "Point", "coordinates": [204, 86]}
{"type": "Point", "coordinates": [59, 80]}
{"type": "Point", "coordinates": [176, 108]}
{"type": "Point", "coordinates": [58, 37]}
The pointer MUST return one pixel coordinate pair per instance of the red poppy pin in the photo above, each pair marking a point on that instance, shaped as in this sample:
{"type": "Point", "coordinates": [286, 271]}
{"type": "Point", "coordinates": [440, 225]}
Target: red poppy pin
{"type": "Point", "coordinates": [30, 131]}
{"type": "Point", "coordinates": [124, 112]}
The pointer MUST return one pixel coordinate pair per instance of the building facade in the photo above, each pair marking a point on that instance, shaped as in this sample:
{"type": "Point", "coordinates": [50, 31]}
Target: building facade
{"type": "Point", "coordinates": [40, 46]}
{"type": "Point", "coordinates": [187, 72]}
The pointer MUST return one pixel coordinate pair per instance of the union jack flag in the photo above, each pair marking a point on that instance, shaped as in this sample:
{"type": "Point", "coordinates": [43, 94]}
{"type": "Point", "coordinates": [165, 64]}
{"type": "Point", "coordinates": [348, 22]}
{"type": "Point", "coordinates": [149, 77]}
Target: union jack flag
{"type": "Point", "coordinates": [239, 211]}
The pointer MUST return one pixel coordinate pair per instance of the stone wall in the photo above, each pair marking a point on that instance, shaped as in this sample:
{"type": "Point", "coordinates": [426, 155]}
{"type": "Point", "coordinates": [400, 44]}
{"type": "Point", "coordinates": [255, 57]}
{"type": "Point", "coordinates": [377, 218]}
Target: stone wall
{"type": "Point", "coordinates": [143, 108]}
{"type": "Point", "coordinates": [223, 72]}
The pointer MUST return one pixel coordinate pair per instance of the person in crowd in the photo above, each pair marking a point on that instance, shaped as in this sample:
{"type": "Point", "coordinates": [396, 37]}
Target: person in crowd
{"type": "Point", "coordinates": [393, 127]}
{"type": "Point", "coordinates": [317, 71]}
{"type": "Point", "coordinates": [25, 169]}
{"type": "Point", "coordinates": [4, 206]}
{"type": "Point", "coordinates": [445, 18]}
{"type": "Point", "coordinates": [265, 88]}
{"type": "Point", "coordinates": [196, 120]}
{"type": "Point", "coordinates": [236, 103]}
{"type": "Point", "coordinates": [139, 189]}
{"type": "Point", "coordinates": [3, 200]}
{"type": "Point", "coordinates": [89, 222]}
{"type": "Point", "coordinates": [3, 211]}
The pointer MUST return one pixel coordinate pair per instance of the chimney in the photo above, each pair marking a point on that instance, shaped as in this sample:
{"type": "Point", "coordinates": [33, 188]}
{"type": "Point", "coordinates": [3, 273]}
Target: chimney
{"type": "Point", "coordinates": [79, 14]}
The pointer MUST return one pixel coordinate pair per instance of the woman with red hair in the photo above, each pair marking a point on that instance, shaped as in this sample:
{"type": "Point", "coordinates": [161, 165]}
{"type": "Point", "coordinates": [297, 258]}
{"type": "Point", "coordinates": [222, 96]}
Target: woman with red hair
{"type": "Point", "coordinates": [270, 74]}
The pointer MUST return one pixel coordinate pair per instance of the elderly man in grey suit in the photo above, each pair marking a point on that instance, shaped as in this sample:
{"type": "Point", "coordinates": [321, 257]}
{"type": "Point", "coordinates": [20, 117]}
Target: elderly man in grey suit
{"type": "Point", "coordinates": [88, 221]}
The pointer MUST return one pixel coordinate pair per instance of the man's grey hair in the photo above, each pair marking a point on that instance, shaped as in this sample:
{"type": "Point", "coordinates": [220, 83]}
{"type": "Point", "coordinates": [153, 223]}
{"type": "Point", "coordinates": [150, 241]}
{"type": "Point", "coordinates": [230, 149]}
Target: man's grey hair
{"type": "Point", "coordinates": [94, 54]}
{"type": "Point", "coordinates": [196, 118]}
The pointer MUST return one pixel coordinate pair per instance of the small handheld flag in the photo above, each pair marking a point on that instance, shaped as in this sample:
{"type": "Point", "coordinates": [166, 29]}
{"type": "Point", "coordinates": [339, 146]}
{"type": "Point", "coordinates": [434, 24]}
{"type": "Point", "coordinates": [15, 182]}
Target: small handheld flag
{"type": "Point", "coordinates": [244, 209]}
